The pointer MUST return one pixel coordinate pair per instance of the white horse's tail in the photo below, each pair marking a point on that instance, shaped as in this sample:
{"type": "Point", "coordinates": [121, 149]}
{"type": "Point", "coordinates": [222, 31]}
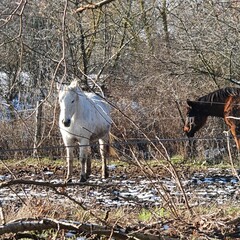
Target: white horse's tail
{"type": "Point", "coordinates": [110, 149]}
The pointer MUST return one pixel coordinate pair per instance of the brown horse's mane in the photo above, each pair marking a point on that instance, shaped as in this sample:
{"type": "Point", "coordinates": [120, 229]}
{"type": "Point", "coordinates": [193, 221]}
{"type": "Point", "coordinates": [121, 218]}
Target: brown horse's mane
{"type": "Point", "coordinates": [220, 96]}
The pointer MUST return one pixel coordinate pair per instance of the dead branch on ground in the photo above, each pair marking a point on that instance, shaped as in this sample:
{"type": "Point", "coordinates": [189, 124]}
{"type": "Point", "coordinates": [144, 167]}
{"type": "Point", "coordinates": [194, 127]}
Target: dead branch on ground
{"type": "Point", "coordinates": [22, 225]}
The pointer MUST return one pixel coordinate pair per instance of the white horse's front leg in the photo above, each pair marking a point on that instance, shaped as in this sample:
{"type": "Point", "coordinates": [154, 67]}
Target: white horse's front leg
{"type": "Point", "coordinates": [103, 152]}
{"type": "Point", "coordinates": [85, 162]}
{"type": "Point", "coordinates": [69, 163]}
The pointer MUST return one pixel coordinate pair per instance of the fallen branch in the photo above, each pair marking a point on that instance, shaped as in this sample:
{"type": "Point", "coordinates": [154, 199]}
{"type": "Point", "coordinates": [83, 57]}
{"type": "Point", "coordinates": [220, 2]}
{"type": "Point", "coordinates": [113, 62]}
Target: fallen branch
{"type": "Point", "coordinates": [47, 184]}
{"type": "Point", "coordinates": [31, 224]}
{"type": "Point", "coordinates": [23, 225]}
{"type": "Point", "coordinates": [234, 221]}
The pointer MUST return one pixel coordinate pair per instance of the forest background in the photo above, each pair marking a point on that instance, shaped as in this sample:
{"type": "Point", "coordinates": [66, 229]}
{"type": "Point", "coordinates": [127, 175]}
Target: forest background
{"type": "Point", "coordinates": [149, 57]}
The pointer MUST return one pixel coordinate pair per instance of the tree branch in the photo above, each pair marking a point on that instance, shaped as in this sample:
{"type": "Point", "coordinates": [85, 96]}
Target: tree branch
{"type": "Point", "coordinates": [93, 5]}
{"type": "Point", "coordinates": [46, 184]}
{"type": "Point", "coordinates": [32, 224]}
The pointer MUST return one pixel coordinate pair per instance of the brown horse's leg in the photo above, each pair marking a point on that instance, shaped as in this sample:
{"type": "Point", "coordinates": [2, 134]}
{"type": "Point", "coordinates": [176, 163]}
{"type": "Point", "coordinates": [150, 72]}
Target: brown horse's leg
{"type": "Point", "coordinates": [190, 149]}
{"type": "Point", "coordinates": [238, 144]}
{"type": "Point", "coordinates": [233, 127]}
{"type": "Point", "coordinates": [236, 139]}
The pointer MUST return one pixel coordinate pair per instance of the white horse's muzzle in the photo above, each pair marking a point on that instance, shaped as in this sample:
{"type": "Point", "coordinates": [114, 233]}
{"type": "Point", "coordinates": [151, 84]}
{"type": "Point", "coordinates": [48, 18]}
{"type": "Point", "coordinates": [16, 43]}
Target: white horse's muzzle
{"type": "Point", "coordinates": [66, 122]}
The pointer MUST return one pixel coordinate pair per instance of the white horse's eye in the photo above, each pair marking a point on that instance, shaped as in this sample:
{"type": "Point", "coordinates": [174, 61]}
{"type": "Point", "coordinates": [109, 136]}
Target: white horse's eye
{"type": "Point", "coordinates": [73, 101]}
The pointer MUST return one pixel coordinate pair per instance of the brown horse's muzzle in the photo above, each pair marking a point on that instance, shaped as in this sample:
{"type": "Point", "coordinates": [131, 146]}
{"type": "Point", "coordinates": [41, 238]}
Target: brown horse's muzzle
{"type": "Point", "coordinates": [186, 129]}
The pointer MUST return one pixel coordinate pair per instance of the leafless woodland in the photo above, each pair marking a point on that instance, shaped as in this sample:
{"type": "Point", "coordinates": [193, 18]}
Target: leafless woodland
{"type": "Point", "coordinates": [148, 57]}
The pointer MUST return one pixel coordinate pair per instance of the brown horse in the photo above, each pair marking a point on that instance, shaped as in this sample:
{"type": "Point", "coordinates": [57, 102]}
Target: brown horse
{"type": "Point", "coordinates": [221, 103]}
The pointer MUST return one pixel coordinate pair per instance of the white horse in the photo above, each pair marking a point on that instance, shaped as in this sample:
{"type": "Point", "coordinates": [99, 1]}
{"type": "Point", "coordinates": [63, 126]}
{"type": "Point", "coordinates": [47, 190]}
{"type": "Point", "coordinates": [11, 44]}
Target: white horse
{"type": "Point", "coordinates": [84, 118]}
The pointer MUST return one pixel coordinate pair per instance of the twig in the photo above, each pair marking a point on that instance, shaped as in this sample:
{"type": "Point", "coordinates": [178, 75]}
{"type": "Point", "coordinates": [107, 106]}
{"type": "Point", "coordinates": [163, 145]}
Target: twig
{"type": "Point", "coordinates": [93, 5]}
{"type": "Point", "coordinates": [2, 217]}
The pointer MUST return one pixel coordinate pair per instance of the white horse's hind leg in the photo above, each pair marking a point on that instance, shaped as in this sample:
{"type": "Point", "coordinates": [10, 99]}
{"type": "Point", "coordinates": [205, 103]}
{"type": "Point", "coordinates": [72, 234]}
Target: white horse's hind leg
{"type": "Point", "coordinates": [103, 152]}
{"type": "Point", "coordinates": [89, 166]}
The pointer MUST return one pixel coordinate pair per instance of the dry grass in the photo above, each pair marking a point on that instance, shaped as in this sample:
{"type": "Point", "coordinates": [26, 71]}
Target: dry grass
{"type": "Point", "coordinates": [150, 219]}
{"type": "Point", "coordinates": [205, 219]}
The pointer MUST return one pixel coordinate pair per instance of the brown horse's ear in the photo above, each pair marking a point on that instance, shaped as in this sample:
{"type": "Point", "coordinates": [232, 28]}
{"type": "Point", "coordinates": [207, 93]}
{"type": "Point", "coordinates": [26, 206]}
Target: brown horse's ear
{"type": "Point", "coordinates": [189, 103]}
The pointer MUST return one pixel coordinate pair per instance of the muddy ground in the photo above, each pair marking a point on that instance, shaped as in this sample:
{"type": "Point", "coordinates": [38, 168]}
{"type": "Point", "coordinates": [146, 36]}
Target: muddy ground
{"type": "Point", "coordinates": [133, 188]}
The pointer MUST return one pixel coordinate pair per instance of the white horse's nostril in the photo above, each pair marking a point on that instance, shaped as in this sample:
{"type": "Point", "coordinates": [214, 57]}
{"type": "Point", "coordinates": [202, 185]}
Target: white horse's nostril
{"type": "Point", "coordinates": [66, 123]}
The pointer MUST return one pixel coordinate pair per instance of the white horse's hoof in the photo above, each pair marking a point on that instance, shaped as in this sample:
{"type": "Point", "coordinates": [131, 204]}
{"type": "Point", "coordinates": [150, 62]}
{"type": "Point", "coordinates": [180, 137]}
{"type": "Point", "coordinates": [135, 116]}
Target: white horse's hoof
{"type": "Point", "coordinates": [105, 175]}
{"type": "Point", "coordinates": [83, 179]}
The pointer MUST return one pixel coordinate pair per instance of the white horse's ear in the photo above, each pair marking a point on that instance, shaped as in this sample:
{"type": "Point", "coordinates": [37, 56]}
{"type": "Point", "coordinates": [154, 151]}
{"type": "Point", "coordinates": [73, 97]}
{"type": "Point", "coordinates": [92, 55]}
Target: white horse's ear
{"type": "Point", "coordinates": [74, 84]}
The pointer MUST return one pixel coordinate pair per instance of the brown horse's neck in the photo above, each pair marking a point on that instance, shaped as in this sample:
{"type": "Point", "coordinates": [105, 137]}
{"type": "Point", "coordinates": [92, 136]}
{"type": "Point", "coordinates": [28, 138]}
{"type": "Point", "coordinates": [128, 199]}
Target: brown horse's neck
{"type": "Point", "coordinates": [211, 109]}
{"type": "Point", "coordinates": [213, 103]}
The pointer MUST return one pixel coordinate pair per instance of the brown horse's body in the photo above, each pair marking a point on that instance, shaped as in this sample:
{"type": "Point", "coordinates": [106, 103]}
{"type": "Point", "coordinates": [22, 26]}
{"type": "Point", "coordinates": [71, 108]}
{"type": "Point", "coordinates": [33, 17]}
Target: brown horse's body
{"type": "Point", "coordinates": [222, 103]}
{"type": "Point", "coordinates": [232, 117]}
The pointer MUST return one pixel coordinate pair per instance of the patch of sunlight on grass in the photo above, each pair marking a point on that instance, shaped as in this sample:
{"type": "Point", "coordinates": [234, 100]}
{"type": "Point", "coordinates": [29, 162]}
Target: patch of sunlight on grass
{"type": "Point", "coordinates": [144, 215]}
{"type": "Point", "coordinates": [30, 162]}
{"type": "Point", "coordinates": [177, 159]}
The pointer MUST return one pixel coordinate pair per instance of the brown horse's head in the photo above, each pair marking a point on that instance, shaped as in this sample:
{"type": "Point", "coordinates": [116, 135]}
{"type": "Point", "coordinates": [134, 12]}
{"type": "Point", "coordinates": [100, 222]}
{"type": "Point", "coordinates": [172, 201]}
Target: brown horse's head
{"type": "Point", "coordinates": [195, 118]}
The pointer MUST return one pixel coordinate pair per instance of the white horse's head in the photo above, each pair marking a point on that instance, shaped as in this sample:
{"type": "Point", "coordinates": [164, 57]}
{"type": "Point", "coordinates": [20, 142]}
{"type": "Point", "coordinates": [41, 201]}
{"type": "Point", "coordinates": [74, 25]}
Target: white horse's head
{"type": "Point", "coordinates": [68, 98]}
